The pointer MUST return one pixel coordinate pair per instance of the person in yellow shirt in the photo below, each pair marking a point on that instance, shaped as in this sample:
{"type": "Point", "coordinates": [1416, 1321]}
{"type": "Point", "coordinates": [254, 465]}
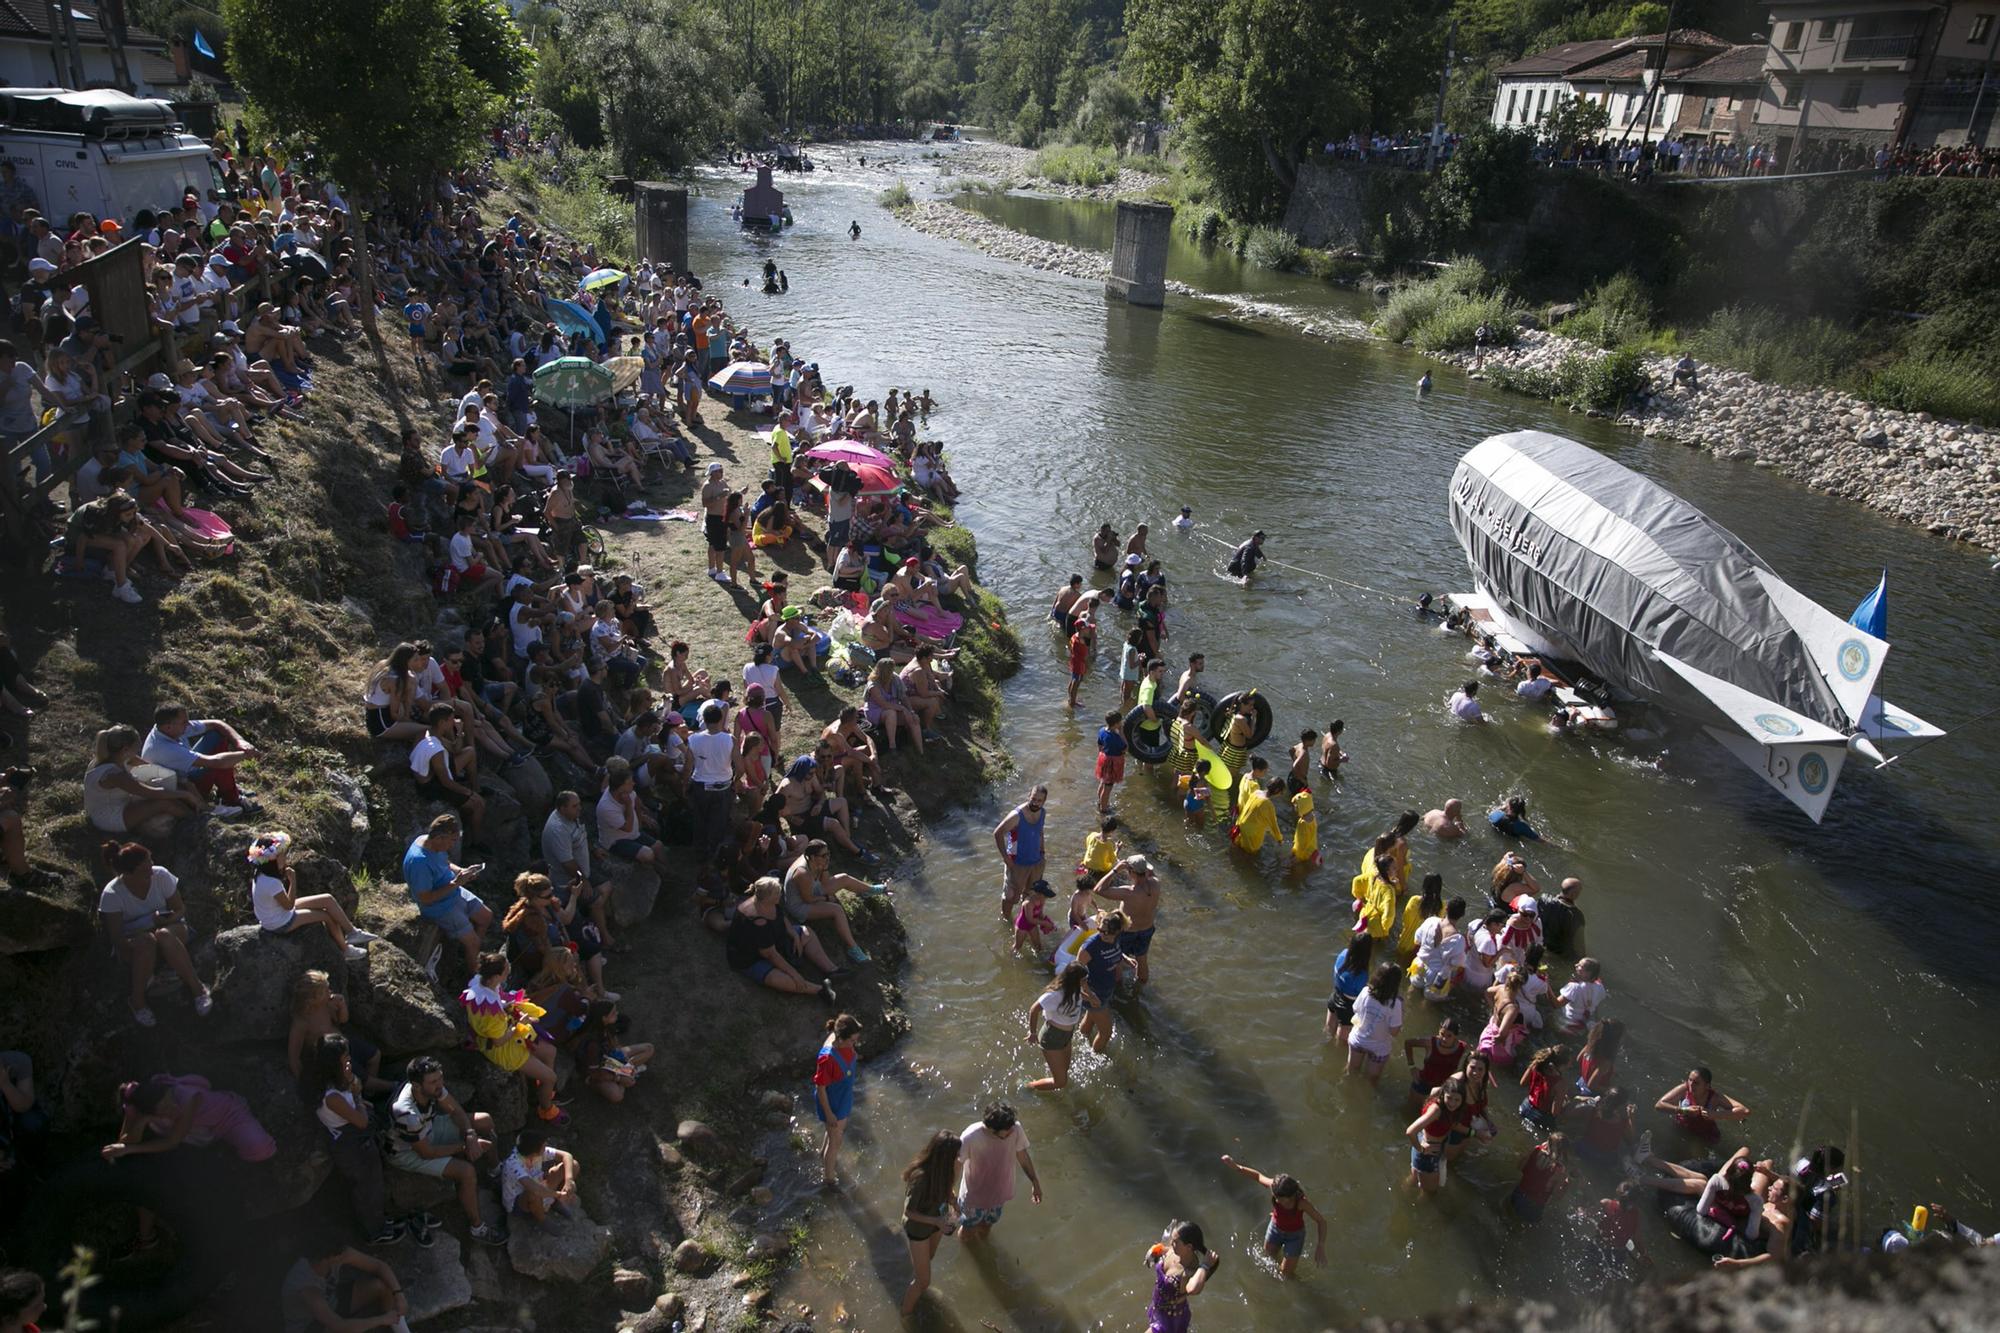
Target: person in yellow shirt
{"type": "Point", "coordinates": [1256, 817]}
{"type": "Point", "coordinates": [1255, 778]}
{"type": "Point", "coordinates": [781, 455]}
{"type": "Point", "coordinates": [1418, 908]}
{"type": "Point", "coordinates": [1100, 851]}
{"type": "Point", "coordinates": [1375, 888]}
{"type": "Point", "coordinates": [1305, 828]}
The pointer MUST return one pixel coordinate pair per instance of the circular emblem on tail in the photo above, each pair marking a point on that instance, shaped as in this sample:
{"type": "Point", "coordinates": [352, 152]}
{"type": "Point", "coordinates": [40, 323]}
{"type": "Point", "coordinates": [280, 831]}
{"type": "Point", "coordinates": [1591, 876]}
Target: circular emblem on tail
{"type": "Point", "coordinates": [1853, 659]}
{"type": "Point", "coordinates": [1813, 774]}
{"type": "Point", "coordinates": [1776, 724]}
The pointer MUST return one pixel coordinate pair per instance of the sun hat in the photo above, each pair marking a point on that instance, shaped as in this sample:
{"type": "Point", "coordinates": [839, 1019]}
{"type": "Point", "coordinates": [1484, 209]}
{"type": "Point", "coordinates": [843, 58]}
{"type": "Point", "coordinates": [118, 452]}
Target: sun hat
{"type": "Point", "coordinates": [268, 847]}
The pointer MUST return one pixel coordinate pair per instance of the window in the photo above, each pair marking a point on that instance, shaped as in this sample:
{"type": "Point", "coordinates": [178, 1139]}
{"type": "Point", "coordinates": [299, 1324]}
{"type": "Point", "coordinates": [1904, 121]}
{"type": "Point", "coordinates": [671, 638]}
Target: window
{"type": "Point", "coordinates": [1850, 96]}
{"type": "Point", "coordinates": [1513, 101]}
{"type": "Point", "coordinates": [1982, 28]}
{"type": "Point", "coordinates": [1542, 105]}
{"type": "Point", "coordinates": [1827, 28]}
{"type": "Point", "coordinates": [1707, 112]}
{"type": "Point", "coordinates": [1794, 93]}
{"type": "Point", "coordinates": [1794, 36]}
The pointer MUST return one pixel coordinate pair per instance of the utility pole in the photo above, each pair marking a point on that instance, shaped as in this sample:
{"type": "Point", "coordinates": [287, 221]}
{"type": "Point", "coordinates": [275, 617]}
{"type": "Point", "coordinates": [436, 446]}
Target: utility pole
{"type": "Point", "coordinates": [1666, 50]}
{"type": "Point", "coordinates": [1444, 85]}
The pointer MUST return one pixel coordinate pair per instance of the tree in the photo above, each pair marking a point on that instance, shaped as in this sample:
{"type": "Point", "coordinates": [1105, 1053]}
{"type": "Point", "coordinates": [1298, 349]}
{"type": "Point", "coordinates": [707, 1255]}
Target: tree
{"type": "Point", "coordinates": [1573, 120]}
{"type": "Point", "coordinates": [1107, 113]}
{"type": "Point", "coordinates": [379, 91]}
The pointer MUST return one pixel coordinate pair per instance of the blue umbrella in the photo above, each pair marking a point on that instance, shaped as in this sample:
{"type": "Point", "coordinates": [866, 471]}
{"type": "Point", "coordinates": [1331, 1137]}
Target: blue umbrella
{"type": "Point", "coordinates": [573, 318]}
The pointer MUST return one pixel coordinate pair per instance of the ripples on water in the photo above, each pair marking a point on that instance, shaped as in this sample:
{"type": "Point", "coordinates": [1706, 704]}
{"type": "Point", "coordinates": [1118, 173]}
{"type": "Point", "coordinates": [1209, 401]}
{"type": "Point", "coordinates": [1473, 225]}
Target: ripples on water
{"type": "Point", "coordinates": [1852, 961]}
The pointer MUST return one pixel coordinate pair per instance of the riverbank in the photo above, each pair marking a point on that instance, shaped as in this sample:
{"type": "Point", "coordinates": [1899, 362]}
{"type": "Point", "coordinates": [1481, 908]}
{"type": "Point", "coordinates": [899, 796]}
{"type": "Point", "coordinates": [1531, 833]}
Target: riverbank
{"type": "Point", "coordinates": [1943, 476]}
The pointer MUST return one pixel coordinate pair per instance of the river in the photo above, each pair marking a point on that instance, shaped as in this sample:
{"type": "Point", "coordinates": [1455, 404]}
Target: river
{"type": "Point", "coordinates": [1849, 964]}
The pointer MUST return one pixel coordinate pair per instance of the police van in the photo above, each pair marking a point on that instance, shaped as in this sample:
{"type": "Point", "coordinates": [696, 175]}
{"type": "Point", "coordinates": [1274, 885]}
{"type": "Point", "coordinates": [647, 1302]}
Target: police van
{"type": "Point", "coordinates": [101, 151]}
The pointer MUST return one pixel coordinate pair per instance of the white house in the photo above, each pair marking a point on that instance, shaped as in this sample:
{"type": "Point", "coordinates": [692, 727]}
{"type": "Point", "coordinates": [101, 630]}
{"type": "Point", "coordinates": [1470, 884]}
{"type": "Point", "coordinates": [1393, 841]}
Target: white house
{"type": "Point", "coordinates": [1616, 73]}
{"type": "Point", "coordinates": [33, 56]}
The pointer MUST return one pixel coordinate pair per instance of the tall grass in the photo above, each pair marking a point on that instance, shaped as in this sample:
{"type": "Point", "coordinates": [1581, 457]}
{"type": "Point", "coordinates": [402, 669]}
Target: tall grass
{"type": "Point", "coordinates": [895, 197]}
{"type": "Point", "coordinates": [1077, 164]}
{"type": "Point", "coordinates": [1453, 322]}
{"type": "Point", "coordinates": [1455, 289]}
{"type": "Point", "coordinates": [1615, 312]}
{"type": "Point", "coordinates": [1943, 385]}
{"type": "Point", "coordinates": [1778, 347]}
{"type": "Point", "coordinates": [1269, 247]}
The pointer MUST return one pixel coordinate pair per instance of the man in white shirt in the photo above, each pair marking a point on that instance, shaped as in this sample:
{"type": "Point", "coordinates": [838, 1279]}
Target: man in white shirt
{"type": "Point", "coordinates": [1465, 703]}
{"type": "Point", "coordinates": [474, 575]}
{"type": "Point", "coordinates": [712, 786]}
{"type": "Point", "coordinates": [1536, 686]}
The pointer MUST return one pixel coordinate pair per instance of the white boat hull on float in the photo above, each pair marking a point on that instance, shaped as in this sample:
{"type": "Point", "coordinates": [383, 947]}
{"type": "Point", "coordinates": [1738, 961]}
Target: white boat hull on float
{"type": "Point", "coordinates": [1585, 561]}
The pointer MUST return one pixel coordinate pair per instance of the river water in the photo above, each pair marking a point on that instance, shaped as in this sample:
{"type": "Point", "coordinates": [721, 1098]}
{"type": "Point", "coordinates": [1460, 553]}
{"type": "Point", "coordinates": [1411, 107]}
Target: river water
{"type": "Point", "coordinates": [1849, 966]}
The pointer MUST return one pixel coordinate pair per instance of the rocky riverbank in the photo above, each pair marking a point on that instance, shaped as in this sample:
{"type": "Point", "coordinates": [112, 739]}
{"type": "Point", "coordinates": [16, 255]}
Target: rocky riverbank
{"type": "Point", "coordinates": [1941, 475]}
{"type": "Point", "coordinates": [1014, 167]}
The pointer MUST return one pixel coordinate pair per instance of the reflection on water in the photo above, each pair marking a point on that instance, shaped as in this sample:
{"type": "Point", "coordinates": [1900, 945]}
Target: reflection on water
{"type": "Point", "coordinates": [1851, 962]}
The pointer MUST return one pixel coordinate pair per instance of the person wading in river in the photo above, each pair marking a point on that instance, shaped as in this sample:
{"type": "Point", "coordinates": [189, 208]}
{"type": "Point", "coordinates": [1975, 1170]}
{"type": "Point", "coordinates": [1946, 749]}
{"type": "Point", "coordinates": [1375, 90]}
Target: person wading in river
{"type": "Point", "coordinates": [1135, 886]}
{"type": "Point", "coordinates": [1019, 838]}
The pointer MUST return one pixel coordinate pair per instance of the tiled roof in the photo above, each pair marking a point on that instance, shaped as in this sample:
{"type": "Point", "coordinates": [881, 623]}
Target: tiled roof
{"type": "Point", "coordinates": [25, 18]}
{"type": "Point", "coordinates": [1571, 57]}
{"type": "Point", "coordinates": [1739, 64]}
{"type": "Point", "coordinates": [1555, 60]}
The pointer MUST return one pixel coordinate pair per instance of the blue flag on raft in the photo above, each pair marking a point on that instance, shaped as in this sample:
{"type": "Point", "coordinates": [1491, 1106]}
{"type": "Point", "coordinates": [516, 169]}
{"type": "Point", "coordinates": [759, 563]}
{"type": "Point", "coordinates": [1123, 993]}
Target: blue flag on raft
{"type": "Point", "coordinates": [201, 46]}
{"type": "Point", "coordinates": [1873, 613]}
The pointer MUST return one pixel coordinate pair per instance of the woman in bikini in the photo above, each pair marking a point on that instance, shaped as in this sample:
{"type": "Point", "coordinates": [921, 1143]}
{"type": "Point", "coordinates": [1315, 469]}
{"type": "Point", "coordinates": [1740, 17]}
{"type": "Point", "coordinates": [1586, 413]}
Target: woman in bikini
{"type": "Point", "coordinates": [1698, 1108]}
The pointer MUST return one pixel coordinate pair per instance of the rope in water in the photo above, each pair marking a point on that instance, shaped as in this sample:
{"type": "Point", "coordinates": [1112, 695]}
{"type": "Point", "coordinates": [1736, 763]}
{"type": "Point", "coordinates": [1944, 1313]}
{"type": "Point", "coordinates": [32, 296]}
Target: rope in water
{"type": "Point", "coordinates": [1311, 573]}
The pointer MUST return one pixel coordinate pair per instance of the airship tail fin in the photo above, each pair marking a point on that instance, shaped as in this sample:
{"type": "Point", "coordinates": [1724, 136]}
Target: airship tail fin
{"type": "Point", "coordinates": [1849, 658]}
{"type": "Point", "coordinates": [1894, 728]}
{"type": "Point", "coordinates": [1799, 757]}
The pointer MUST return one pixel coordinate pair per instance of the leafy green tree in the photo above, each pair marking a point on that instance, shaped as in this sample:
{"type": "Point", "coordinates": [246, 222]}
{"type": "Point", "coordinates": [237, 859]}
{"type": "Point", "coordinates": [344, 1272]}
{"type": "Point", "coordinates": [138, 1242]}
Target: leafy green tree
{"type": "Point", "coordinates": [1573, 119]}
{"type": "Point", "coordinates": [1107, 113]}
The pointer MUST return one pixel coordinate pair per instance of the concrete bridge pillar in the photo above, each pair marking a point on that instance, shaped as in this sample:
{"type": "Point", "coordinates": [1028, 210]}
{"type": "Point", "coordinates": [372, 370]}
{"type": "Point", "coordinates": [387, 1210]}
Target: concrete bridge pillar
{"type": "Point", "coordinates": [660, 217]}
{"type": "Point", "coordinates": [1139, 253]}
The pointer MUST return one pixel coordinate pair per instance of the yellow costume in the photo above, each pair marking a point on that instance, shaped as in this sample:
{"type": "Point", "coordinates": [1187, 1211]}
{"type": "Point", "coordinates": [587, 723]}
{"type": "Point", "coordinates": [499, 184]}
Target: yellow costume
{"type": "Point", "coordinates": [1413, 916]}
{"type": "Point", "coordinates": [1243, 787]}
{"type": "Point", "coordinates": [1305, 833]}
{"type": "Point", "coordinates": [1099, 854]}
{"type": "Point", "coordinates": [1256, 820]}
{"type": "Point", "coordinates": [1377, 897]}
{"type": "Point", "coordinates": [501, 1024]}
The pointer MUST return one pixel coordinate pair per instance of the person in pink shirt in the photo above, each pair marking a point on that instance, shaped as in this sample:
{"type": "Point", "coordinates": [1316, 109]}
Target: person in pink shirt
{"type": "Point", "coordinates": [991, 1149]}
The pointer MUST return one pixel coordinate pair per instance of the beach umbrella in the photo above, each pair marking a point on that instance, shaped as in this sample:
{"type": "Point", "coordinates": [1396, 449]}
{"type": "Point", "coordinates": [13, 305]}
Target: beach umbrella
{"type": "Point", "coordinates": [573, 318]}
{"type": "Point", "coordinates": [876, 480]}
{"type": "Point", "coordinates": [572, 382]}
{"type": "Point", "coordinates": [742, 377]}
{"type": "Point", "coordinates": [625, 371]}
{"type": "Point", "coordinates": [602, 277]}
{"type": "Point", "coordinates": [850, 451]}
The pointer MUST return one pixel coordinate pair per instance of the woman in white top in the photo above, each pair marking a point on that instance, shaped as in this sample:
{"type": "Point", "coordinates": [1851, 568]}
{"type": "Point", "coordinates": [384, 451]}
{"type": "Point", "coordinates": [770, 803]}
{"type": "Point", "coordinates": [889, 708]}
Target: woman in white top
{"type": "Point", "coordinates": [1378, 1021]}
{"type": "Point", "coordinates": [1440, 952]}
{"type": "Point", "coordinates": [343, 1111]}
{"type": "Point", "coordinates": [280, 911]}
{"type": "Point", "coordinates": [117, 801]}
{"type": "Point", "coordinates": [1053, 1020]}
{"type": "Point", "coordinates": [141, 911]}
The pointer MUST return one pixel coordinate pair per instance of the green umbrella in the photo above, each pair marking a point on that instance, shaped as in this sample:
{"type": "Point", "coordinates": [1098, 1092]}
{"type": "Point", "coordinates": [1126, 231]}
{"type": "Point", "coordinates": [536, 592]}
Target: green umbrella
{"type": "Point", "coordinates": [572, 381]}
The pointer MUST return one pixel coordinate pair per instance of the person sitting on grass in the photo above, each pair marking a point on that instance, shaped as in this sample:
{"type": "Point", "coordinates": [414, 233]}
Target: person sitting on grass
{"type": "Point", "coordinates": [280, 910]}
{"type": "Point", "coordinates": [116, 800]}
{"type": "Point", "coordinates": [204, 753]}
{"type": "Point", "coordinates": [110, 527]}
{"type": "Point", "coordinates": [334, 1288]}
{"type": "Point", "coordinates": [795, 643]}
{"type": "Point", "coordinates": [141, 911]}
{"type": "Point", "coordinates": [536, 1179]}
{"type": "Point", "coordinates": [810, 886]}
{"type": "Point", "coordinates": [430, 1134]}
{"type": "Point", "coordinates": [439, 758]}
{"type": "Point", "coordinates": [438, 888]}
{"type": "Point", "coordinates": [761, 945]}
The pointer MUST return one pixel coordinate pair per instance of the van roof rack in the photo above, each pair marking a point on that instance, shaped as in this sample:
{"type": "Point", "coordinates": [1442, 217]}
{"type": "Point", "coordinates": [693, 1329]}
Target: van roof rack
{"type": "Point", "coordinates": [97, 113]}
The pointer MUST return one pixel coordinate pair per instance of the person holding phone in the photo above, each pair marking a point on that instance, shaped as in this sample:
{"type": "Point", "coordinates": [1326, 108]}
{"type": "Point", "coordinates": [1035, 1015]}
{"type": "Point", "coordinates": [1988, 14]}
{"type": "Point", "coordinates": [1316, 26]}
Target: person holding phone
{"type": "Point", "coordinates": [438, 888]}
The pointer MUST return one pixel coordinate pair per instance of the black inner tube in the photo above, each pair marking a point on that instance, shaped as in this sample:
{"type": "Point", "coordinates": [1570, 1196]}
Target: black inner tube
{"type": "Point", "coordinates": [1149, 747]}
{"type": "Point", "coordinates": [1204, 708]}
{"type": "Point", "coordinates": [1226, 709]}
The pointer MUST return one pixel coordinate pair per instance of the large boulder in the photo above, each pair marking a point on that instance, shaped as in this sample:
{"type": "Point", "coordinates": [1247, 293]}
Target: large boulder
{"type": "Point", "coordinates": [533, 789]}
{"type": "Point", "coordinates": [54, 913]}
{"type": "Point", "coordinates": [301, 1165]}
{"type": "Point", "coordinates": [406, 1192]}
{"type": "Point", "coordinates": [562, 1249]}
{"type": "Point", "coordinates": [434, 1279]}
{"type": "Point", "coordinates": [251, 974]}
{"type": "Point", "coordinates": [634, 891]}
{"type": "Point", "coordinates": [398, 1005]}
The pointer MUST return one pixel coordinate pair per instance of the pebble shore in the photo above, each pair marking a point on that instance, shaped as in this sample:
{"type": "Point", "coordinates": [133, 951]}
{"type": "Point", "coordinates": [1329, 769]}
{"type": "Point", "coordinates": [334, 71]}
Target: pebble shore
{"type": "Point", "coordinates": [1941, 475]}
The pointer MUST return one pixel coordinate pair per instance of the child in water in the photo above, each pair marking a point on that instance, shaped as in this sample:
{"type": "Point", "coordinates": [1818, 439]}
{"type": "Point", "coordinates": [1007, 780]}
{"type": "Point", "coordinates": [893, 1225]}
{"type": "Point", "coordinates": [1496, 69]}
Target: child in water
{"type": "Point", "coordinates": [1305, 829]}
{"type": "Point", "coordinates": [1302, 754]}
{"type": "Point", "coordinates": [924, 406]}
{"type": "Point", "coordinates": [1195, 801]}
{"type": "Point", "coordinates": [1285, 1234]}
{"type": "Point", "coordinates": [1083, 637]}
{"type": "Point", "coordinates": [1110, 757]}
{"type": "Point", "coordinates": [1032, 921]}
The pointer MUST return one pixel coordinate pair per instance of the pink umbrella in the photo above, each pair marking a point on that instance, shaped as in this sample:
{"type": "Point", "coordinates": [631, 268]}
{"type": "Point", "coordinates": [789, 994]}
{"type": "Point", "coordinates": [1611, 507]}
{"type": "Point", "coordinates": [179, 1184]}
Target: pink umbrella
{"type": "Point", "coordinates": [850, 451]}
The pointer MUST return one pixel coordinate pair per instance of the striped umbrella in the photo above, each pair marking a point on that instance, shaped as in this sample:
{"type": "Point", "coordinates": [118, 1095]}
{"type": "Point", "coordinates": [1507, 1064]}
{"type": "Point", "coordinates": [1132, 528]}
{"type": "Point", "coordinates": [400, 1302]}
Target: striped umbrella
{"type": "Point", "coordinates": [742, 377]}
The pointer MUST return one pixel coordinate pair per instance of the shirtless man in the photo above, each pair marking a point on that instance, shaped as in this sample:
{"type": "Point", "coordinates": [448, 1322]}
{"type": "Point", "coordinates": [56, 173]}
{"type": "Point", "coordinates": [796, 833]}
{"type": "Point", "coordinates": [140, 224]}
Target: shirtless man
{"type": "Point", "coordinates": [1135, 886]}
{"type": "Point", "coordinates": [908, 584]}
{"type": "Point", "coordinates": [1191, 678]}
{"type": "Point", "coordinates": [884, 636]}
{"type": "Point", "coordinates": [1136, 543]}
{"type": "Point", "coordinates": [924, 687]}
{"type": "Point", "coordinates": [1448, 823]}
{"type": "Point", "coordinates": [1103, 548]}
{"type": "Point", "coordinates": [715, 528]}
{"type": "Point", "coordinates": [1066, 602]}
{"type": "Point", "coordinates": [806, 808]}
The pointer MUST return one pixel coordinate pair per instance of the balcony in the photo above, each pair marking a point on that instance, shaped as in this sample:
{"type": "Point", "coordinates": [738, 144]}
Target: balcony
{"type": "Point", "coordinates": [1878, 50]}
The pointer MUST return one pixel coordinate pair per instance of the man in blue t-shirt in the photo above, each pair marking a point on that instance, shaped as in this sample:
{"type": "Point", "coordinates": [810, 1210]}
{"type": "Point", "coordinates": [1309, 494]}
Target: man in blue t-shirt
{"type": "Point", "coordinates": [438, 889]}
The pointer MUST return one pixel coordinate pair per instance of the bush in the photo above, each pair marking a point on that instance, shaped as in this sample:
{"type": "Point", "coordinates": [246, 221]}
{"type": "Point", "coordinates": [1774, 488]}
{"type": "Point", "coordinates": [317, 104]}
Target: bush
{"type": "Point", "coordinates": [1948, 386]}
{"type": "Point", "coordinates": [1077, 164]}
{"type": "Point", "coordinates": [1606, 382]}
{"type": "Point", "coordinates": [1416, 303]}
{"type": "Point", "coordinates": [1778, 347]}
{"type": "Point", "coordinates": [1268, 247]}
{"type": "Point", "coordinates": [1463, 274]}
{"type": "Point", "coordinates": [1453, 322]}
{"type": "Point", "coordinates": [1617, 311]}
{"type": "Point", "coordinates": [1203, 223]}
{"type": "Point", "coordinates": [896, 196]}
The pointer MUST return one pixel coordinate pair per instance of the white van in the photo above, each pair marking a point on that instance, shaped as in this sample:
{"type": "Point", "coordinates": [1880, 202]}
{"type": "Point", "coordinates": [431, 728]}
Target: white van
{"type": "Point", "coordinates": [100, 151]}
